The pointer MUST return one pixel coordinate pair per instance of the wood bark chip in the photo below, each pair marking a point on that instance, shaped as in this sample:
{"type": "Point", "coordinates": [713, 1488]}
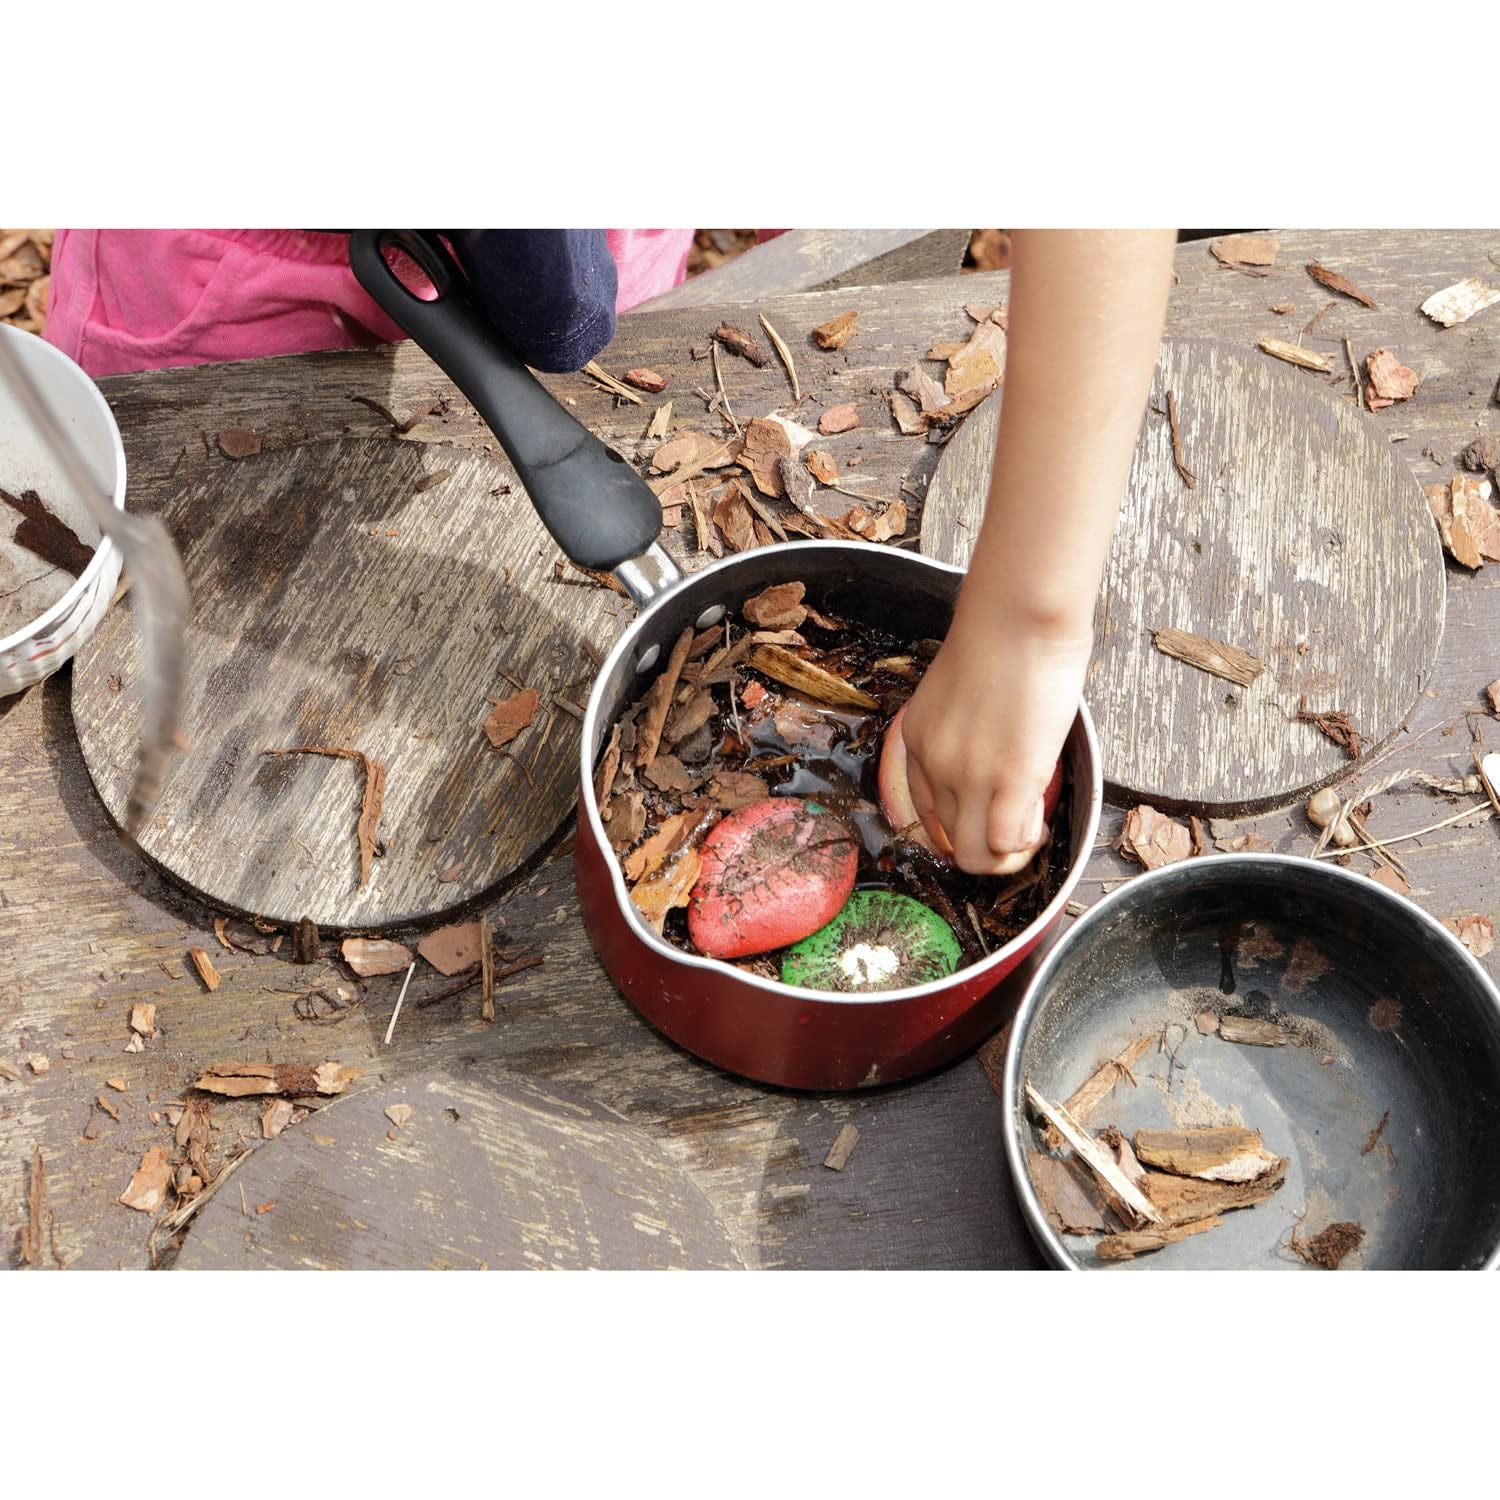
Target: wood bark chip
{"type": "Point", "coordinates": [1337, 283]}
{"type": "Point", "coordinates": [1492, 692]}
{"type": "Point", "coordinates": [1217, 657]}
{"type": "Point", "coordinates": [1281, 309]}
{"type": "Point", "coordinates": [1066, 1203]}
{"type": "Point", "coordinates": [715, 458]}
{"type": "Point", "coordinates": [979, 367]}
{"type": "Point", "coordinates": [371, 956]}
{"type": "Point", "coordinates": [822, 467]}
{"type": "Point", "coordinates": [910, 420]}
{"type": "Point", "coordinates": [1303, 358]}
{"type": "Point", "coordinates": [668, 774]}
{"type": "Point", "coordinates": [1152, 839]}
{"type": "Point", "coordinates": [1482, 455]}
{"type": "Point", "coordinates": [148, 1188]}
{"type": "Point", "coordinates": [1230, 1153]}
{"type": "Point", "coordinates": [142, 1020]}
{"type": "Point", "coordinates": [239, 442]}
{"type": "Point", "coordinates": [737, 341]}
{"type": "Point", "coordinates": [1207, 1022]}
{"type": "Point", "coordinates": [891, 522]}
{"type": "Point", "coordinates": [107, 1107]}
{"type": "Point", "coordinates": [659, 700]}
{"type": "Point", "coordinates": [398, 1114]}
{"type": "Point", "coordinates": [843, 1147]}
{"type": "Point", "coordinates": [842, 418]}
{"type": "Point", "coordinates": [432, 481]}
{"type": "Point", "coordinates": [1241, 250]}
{"type": "Point", "coordinates": [1392, 880]}
{"type": "Point", "coordinates": [511, 717]}
{"type": "Point", "coordinates": [1095, 1089]}
{"type": "Point", "coordinates": [371, 803]}
{"type": "Point", "coordinates": [1182, 1200]}
{"type": "Point", "coordinates": [660, 419]}
{"type": "Point", "coordinates": [1390, 380]}
{"type": "Point", "coordinates": [732, 789]}
{"type": "Point", "coordinates": [1135, 1242]}
{"type": "Point", "coordinates": [778, 607]}
{"type": "Point", "coordinates": [1252, 1033]}
{"type": "Point", "coordinates": [1336, 725]}
{"type": "Point", "coordinates": [1459, 302]}
{"type": "Point", "coordinates": [452, 949]}
{"type": "Point", "coordinates": [242, 1080]}
{"type": "Point", "coordinates": [305, 941]}
{"type": "Point", "coordinates": [647, 380]}
{"type": "Point", "coordinates": [1328, 1249]}
{"type": "Point", "coordinates": [1188, 477]}
{"type": "Point", "coordinates": [686, 449]}
{"type": "Point", "coordinates": [221, 925]}
{"type": "Point", "coordinates": [1099, 1161]}
{"type": "Point", "coordinates": [816, 682]}
{"type": "Point", "coordinates": [781, 349]}
{"type": "Point", "coordinates": [668, 886]}
{"type": "Point", "coordinates": [31, 1233]}
{"type": "Point", "coordinates": [923, 389]}
{"type": "Point", "coordinates": [275, 1118]}
{"type": "Point", "coordinates": [596, 371]}
{"type": "Point", "coordinates": [767, 443]}
{"type": "Point", "coordinates": [1476, 932]}
{"type": "Point", "coordinates": [204, 965]}
{"type": "Point", "coordinates": [1468, 524]}
{"type": "Point", "coordinates": [836, 332]}
{"type": "Point", "coordinates": [46, 536]}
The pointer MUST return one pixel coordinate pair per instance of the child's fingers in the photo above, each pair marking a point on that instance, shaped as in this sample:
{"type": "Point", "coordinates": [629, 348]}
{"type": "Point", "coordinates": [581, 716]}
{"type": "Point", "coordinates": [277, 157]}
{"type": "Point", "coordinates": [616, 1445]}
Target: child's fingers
{"type": "Point", "coordinates": [1015, 825]}
{"type": "Point", "coordinates": [925, 798]}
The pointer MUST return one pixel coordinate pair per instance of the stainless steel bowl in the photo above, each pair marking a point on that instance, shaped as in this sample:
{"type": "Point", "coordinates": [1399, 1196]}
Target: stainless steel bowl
{"type": "Point", "coordinates": [1388, 1017]}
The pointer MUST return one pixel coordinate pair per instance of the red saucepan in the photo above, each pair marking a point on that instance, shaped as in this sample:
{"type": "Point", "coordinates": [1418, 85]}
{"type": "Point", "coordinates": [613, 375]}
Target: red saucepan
{"type": "Point", "coordinates": [603, 516]}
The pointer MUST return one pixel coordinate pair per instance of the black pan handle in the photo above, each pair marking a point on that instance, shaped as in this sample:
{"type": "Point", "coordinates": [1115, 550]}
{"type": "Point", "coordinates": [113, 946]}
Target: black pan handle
{"type": "Point", "coordinates": [598, 509]}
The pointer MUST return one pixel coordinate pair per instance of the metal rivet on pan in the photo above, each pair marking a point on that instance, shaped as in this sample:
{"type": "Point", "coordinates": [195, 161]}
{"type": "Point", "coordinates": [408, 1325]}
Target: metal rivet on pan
{"type": "Point", "coordinates": [647, 659]}
{"type": "Point", "coordinates": [710, 616]}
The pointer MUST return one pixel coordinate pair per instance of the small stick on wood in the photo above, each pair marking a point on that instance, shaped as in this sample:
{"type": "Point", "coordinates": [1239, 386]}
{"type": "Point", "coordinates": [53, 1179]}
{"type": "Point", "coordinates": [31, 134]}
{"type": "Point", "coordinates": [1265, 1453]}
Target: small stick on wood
{"type": "Point", "coordinates": [1359, 389]}
{"type": "Point", "coordinates": [723, 394]}
{"type": "Point", "coordinates": [1478, 811]}
{"type": "Point", "coordinates": [391, 1029]}
{"type": "Point", "coordinates": [1188, 477]}
{"type": "Point", "coordinates": [1369, 1145]}
{"type": "Point", "coordinates": [486, 972]}
{"type": "Point", "coordinates": [1094, 1156]}
{"type": "Point", "coordinates": [786, 357]}
{"type": "Point", "coordinates": [1316, 319]}
{"type": "Point", "coordinates": [660, 700]}
{"type": "Point", "coordinates": [847, 1138]}
{"type": "Point", "coordinates": [609, 382]}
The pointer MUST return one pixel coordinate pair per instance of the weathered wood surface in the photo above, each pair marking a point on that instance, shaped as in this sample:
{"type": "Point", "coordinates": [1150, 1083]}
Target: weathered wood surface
{"type": "Point", "coordinates": [1304, 541]}
{"type": "Point", "coordinates": [489, 1171]}
{"type": "Point", "coordinates": [809, 259]}
{"type": "Point", "coordinates": [336, 602]}
{"type": "Point", "coordinates": [84, 924]}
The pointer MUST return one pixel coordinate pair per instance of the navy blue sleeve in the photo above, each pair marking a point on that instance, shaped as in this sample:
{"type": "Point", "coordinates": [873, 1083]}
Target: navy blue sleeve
{"type": "Point", "coordinates": [549, 292]}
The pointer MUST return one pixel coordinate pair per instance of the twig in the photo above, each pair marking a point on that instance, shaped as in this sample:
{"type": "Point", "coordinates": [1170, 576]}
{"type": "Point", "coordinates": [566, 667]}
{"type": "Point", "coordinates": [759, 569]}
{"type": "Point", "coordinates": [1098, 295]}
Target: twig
{"type": "Point", "coordinates": [389, 1030]}
{"type": "Point", "coordinates": [609, 382]}
{"type": "Point", "coordinates": [1188, 477]}
{"type": "Point", "coordinates": [447, 992]}
{"type": "Point", "coordinates": [723, 394]}
{"type": "Point", "coordinates": [1478, 811]}
{"type": "Point", "coordinates": [1308, 328]}
{"type": "Point", "coordinates": [244, 1202]}
{"type": "Point", "coordinates": [1097, 1159]}
{"type": "Point", "coordinates": [786, 357]}
{"type": "Point", "coordinates": [1359, 390]}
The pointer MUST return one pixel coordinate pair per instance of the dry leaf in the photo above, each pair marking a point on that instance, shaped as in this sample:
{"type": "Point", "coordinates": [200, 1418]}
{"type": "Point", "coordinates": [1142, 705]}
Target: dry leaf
{"type": "Point", "coordinates": [239, 442]}
{"type": "Point", "coordinates": [732, 789]}
{"type": "Point", "coordinates": [1304, 358]}
{"type": "Point", "coordinates": [371, 956]}
{"type": "Point", "coordinates": [1337, 283]}
{"type": "Point", "coordinates": [1476, 933]}
{"type": "Point", "coordinates": [839, 419]}
{"type": "Point", "coordinates": [684, 449]}
{"type": "Point", "coordinates": [766, 444]}
{"type": "Point", "coordinates": [398, 1114]}
{"type": "Point", "coordinates": [511, 716]}
{"type": "Point", "coordinates": [1459, 302]}
{"type": "Point", "coordinates": [452, 949]}
{"type": "Point", "coordinates": [666, 887]}
{"type": "Point", "coordinates": [778, 607]}
{"type": "Point", "coordinates": [148, 1188]}
{"type": "Point", "coordinates": [1389, 378]}
{"type": "Point", "coordinates": [647, 380]}
{"type": "Point", "coordinates": [732, 517]}
{"type": "Point", "coordinates": [1152, 839]}
{"type": "Point", "coordinates": [1245, 250]}
{"type": "Point", "coordinates": [668, 774]}
{"type": "Point", "coordinates": [204, 965]}
{"type": "Point", "coordinates": [835, 333]}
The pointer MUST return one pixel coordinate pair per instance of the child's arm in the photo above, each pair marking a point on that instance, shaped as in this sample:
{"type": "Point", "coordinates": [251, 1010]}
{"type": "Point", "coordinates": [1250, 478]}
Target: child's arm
{"type": "Point", "coordinates": [986, 723]}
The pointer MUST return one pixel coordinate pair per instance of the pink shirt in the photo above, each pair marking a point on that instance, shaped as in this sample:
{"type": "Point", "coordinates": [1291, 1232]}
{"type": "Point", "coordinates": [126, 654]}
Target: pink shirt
{"type": "Point", "coordinates": [142, 299]}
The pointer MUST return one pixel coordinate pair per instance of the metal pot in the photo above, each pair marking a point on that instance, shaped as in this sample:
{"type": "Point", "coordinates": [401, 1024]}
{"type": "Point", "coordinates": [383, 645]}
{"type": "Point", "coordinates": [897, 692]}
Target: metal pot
{"type": "Point", "coordinates": [603, 516]}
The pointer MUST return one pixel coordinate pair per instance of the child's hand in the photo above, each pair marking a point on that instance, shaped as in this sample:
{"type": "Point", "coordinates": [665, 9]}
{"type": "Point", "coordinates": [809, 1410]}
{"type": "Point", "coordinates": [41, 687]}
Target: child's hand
{"type": "Point", "coordinates": [983, 733]}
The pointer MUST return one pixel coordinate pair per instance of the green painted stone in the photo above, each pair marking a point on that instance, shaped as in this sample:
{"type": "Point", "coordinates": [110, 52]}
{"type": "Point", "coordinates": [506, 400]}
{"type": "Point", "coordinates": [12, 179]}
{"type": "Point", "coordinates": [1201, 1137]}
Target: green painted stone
{"type": "Point", "coordinates": [878, 941]}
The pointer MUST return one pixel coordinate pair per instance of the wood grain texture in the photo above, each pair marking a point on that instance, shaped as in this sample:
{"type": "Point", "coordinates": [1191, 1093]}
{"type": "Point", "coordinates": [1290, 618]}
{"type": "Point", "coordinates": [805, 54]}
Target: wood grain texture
{"type": "Point", "coordinates": [490, 1171]}
{"type": "Point", "coordinates": [1306, 543]}
{"type": "Point", "coordinates": [805, 259]}
{"type": "Point", "coordinates": [307, 629]}
{"type": "Point", "coordinates": [85, 925]}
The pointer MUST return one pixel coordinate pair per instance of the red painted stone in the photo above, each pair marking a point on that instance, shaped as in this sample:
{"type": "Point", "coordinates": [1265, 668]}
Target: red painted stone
{"type": "Point", "coordinates": [901, 812]}
{"type": "Point", "coordinates": [774, 872]}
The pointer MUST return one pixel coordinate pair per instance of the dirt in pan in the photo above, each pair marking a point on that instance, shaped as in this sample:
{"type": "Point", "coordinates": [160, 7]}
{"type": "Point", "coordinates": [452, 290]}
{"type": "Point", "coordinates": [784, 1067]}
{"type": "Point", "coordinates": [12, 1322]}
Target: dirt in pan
{"type": "Point", "coordinates": [784, 702]}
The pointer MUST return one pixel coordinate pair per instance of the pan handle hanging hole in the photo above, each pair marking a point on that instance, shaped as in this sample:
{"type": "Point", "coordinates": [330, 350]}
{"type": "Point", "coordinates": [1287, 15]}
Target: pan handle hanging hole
{"type": "Point", "coordinates": [648, 658]}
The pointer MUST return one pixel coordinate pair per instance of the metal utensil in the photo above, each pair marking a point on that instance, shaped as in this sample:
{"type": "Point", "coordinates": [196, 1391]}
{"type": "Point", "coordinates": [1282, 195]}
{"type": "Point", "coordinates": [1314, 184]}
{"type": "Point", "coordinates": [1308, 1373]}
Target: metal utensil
{"type": "Point", "coordinates": [156, 575]}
